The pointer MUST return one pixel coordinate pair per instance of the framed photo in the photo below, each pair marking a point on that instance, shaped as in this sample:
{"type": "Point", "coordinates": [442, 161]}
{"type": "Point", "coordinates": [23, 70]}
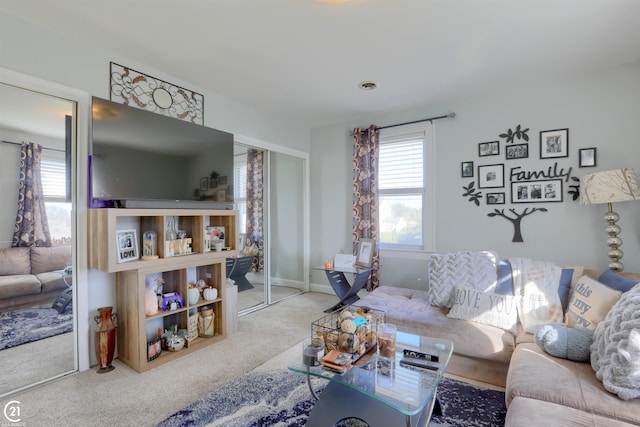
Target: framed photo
{"type": "Point", "coordinates": [154, 349]}
{"type": "Point", "coordinates": [217, 232]}
{"type": "Point", "coordinates": [491, 176]}
{"type": "Point", "coordinates": [221, 195]}
{"type": "Point", "coordinates": [127, 245]}
{"type": "Point", "coordinates": [491, 148]}
{"type": "Point", "coordinates": [517, 151]}
{"type": "Point", "coordinates": [554, 143]}
{"type": "Point", "coordinates": [467, 169]}
{"type": "Point", "coordinates": [222, 180]}
{"type": "Point", "coordinates": [365, 253]}
{"type": "Point", "coordinates": [495, 198]}
{"type": "Point", "coordinates": [204, 183]}
{"type": "Point", "coordinates": [536, 191]}
{"type": "Point", "coordinates": [587, 157]}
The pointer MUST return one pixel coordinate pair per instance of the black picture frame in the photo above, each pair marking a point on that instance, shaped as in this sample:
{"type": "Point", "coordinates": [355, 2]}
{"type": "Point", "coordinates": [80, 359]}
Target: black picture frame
{"type": "Point", "coordinates": [466, 169]}
{"type": "Point", "coordinates": [516, 151]}
{"type": "Point", "coordinates": [587, 157]}
{"type": "Point", "coordinates": [154, 349]}
{"type": "Point", "coordinates": [543, 191]}
{"type": "Point", "coordinates": [491, 176]}
{"type": "Point", "coordinates": [495, 198]}
{"type": "Point", "coordinates": [554, 143]}
{"type": "Point", "coordinates": [204, 183]}
{"type": "Point", "coordinates": [490, 148]}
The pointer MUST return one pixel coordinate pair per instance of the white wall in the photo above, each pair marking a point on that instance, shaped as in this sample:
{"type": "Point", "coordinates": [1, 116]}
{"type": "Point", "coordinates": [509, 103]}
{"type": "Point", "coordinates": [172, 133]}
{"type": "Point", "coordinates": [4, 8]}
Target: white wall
{"type": "Point", "coordinates": [600, 110]}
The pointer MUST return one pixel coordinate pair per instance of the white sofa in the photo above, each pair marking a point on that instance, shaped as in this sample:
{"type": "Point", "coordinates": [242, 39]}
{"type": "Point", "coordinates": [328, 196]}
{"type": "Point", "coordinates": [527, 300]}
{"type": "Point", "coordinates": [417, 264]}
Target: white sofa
{"type": "Point", "coordinates": [540, 389]}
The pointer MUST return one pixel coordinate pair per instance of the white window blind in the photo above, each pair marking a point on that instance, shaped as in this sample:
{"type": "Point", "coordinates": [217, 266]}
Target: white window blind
{"type": "Point", "coordinates": [401, 165]}
{"type": "Point", "coordinates": [53, 173]}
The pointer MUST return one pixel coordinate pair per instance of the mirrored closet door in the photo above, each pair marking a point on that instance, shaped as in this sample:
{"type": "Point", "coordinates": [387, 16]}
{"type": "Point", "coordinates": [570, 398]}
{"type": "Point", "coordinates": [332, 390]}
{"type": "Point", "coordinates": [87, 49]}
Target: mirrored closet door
{"type": "Point", "coordinates": [37, 134]}
{"type": "Point", "coordinates": [270, 195]}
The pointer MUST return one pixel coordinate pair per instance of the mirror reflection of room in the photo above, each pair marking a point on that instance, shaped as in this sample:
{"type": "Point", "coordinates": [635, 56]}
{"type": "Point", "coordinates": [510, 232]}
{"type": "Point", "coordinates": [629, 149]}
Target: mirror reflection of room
{"type": "Point", "coordinates": [36, 275]}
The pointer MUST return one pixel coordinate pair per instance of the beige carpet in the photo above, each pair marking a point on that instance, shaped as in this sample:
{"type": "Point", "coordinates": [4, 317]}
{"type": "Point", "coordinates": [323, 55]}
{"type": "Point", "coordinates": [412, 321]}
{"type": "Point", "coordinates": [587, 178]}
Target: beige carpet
{"type": "Point", "coordinates": [126, 398]}
{"type": "Point", "coordinates": [253, 297]}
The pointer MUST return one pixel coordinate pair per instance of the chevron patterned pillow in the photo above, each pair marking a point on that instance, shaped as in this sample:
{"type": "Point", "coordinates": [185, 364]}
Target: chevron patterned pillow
{"type": "Point", "coordinates": [477, 270]}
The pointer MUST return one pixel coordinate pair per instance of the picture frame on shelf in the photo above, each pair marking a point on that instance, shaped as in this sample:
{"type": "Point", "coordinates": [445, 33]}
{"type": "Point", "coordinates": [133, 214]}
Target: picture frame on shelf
{"type": "Point", "coordinates": [221, 194]}
{"type": "Point", "coordinates": [154, 349]}
{"type": "Point", "coordinates": [554, 143]}
{"type": "Point", "coordinates": [491, 148]}
{"type": "Point", "coordinates": [364, 257]}
{"type": "Point", "coordinates": [587, 157]}
{"type": "Point", "coordinates": [204, 183]}
{"type": "Point", "coordinates": [222, 180]}
{"type": "Point", "coordinates": [517, 151]}
{"type": "Point", "coordinates": [217, 232]}
{"type": "Point", "coordinates": [466, 169]}
{"type": "Point", "coordinates": [491, 176]}
{"type": "Point", "coordinates": [536, 191]}
{"type": "Point", "coordinates": [127, 245]}
{"type": "Point", "coordinates": [495, 198]}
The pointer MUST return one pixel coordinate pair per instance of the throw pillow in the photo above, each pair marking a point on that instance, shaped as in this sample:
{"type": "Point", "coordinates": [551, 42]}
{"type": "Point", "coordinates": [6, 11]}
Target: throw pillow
{"type": "Point", "coordinates": [616, 281]}
{"type": "Point", "coordinates": [615, 352]}
{"type": "Point", "coordinates": [566, 343]}
{"type": "Point", "coordinates": [590, 302]}
{"type": "Point", "coordinates": [490, 309]}
{"type": "Point", "coordinates": [505, 278]}
{"type": "Point", "coordinates": [477, 270]}
{"type": "Point", "coordinates": [565, 287]}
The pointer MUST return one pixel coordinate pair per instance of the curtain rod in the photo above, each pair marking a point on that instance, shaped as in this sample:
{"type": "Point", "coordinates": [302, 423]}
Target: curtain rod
{"type": "Point", "coordinates": [43, 147]}
{"type": "Point", "coordinates": [430, 119]}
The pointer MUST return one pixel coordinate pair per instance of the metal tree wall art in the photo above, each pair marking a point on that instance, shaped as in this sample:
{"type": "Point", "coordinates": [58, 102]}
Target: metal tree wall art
{"type": "Point", "coordinates": [574, 190]}
{"type": "Point", "coordinates": [516, 220]}
{"type": "Point", "coordinates": [518, 133]}
{"type": "Point", "coordinates": [470, 191]}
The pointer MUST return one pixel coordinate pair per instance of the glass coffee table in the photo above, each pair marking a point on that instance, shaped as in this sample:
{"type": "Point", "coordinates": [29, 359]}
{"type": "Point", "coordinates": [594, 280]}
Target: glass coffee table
{"type": "Point", "coordinates": [380, 391]}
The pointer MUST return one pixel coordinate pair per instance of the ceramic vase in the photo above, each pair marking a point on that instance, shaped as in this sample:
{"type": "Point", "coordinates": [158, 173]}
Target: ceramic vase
{"type": "Point", "coordinates": [105, 339]}
{"type": "Point", "coordinates": [194, 295]}
{"type": "Point", "coordinates": [150, 302]}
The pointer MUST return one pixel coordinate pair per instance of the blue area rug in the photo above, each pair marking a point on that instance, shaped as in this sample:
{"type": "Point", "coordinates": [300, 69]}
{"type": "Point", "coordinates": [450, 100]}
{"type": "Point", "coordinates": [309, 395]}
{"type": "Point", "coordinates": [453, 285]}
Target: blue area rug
{"type": "Point", "coordinates": [282, 398]}
{"type": "Point", "coordinates": [26, 325]}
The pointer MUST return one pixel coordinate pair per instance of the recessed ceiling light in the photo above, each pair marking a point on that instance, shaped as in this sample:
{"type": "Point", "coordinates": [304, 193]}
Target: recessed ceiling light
{"type": "Point", "coordinates": [368, 85]}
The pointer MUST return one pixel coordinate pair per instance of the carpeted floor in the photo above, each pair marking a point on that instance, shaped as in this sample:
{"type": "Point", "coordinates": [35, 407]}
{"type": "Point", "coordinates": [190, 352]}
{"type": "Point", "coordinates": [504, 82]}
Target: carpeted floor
{"type": "Point", "coordinates": [26, 325]}
{"type": "Point", "coordinates": [281, 398]}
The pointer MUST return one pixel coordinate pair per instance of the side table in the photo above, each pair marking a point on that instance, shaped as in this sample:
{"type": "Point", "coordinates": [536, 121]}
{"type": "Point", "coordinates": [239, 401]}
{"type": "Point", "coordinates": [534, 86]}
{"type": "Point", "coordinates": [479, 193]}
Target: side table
{"type": "Point", "coordinates": [348, 293]}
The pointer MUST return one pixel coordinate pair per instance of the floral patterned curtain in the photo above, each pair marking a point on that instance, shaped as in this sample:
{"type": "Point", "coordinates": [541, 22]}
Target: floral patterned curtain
{"type": "Point", "coordinates": [31, 227]}
{"type": "Point", "coordinates": [365, 194]}
{"type": "Point", "coordinates": [255, 205]}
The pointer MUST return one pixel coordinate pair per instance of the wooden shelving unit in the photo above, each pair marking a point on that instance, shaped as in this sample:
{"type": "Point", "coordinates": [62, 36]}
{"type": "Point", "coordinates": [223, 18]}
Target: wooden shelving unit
{"type": "Point", "coordinates": [135, 328]}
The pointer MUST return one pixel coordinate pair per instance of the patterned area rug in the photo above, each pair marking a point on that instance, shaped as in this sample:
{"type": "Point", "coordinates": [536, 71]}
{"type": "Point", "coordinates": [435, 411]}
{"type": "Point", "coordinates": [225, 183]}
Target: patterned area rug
{"type": "Point", "coordinates": [282, 398]}
{"type": "Point", "coordinates": [26, 325]}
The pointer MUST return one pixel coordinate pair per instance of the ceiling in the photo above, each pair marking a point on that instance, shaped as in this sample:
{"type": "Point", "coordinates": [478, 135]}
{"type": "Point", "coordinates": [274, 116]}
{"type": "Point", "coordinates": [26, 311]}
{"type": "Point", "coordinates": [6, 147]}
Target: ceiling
{"type": "Point", "coordinates": [304, 59]}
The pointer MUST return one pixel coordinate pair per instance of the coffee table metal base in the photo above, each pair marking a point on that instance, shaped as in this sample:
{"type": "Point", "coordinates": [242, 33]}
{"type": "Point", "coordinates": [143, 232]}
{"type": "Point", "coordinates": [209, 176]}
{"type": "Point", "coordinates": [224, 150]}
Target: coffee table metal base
{"type": "Point", "coordinates": [338, 401]}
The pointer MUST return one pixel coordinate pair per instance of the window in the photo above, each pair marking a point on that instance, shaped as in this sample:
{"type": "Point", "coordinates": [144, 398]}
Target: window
{"type": "Point", "coordinates": [405, 187]}
{"type": "Point", "coordinates": [54, 178]}
{"type": "Point", "coordinates": [240, 189]}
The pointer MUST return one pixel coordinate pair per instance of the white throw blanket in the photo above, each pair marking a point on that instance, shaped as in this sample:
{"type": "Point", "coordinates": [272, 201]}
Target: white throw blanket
{"type": "Point", "coordinates": [537, 283]}
{"type": "Point", "coordinates": [615, 352]}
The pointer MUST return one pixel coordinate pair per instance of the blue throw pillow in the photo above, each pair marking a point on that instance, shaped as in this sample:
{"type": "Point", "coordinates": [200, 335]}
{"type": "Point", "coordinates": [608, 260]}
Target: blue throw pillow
{"type": "Point", "coordinates": [565, 287]}
{"type": "Point", "coordinates": [505, 280]}
{"type": "Point", "coordinates": [616, 281]}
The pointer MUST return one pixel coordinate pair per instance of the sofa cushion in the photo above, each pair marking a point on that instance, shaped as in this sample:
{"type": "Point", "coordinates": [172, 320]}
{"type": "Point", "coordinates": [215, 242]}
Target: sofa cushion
{"type": "Point", "coordinates": [18, 285]}
{"type": "Point", "coordinates": [51, 281]}
{"type": "Point", "coordinates": [484, 307]}
{"type": "Point", "coordinates": [615, 353]}
{"type": "Point", "coordinates": [617, 281]}
{"type": "Point", "coordinates": [478, 270]}
{"type": "Point", "coordinates": [524, 412]}
{"type": "Point", "coordinates": [409, 309]}
{"type": "Point", "coordinates": [49, 259]}
{"type": "Point", "coordinates": [537, 375]}
{"type": "Point", "coordinates": [14, 261]}
{"type": "Point", "coordinates": [590, 302]}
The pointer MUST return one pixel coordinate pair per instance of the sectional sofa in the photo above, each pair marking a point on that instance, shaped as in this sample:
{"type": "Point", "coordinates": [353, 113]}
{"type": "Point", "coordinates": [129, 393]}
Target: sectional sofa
{"type": "Point", "coordinates": [540, 389]}
{"type": "Point", "coordinates": [32, 275]}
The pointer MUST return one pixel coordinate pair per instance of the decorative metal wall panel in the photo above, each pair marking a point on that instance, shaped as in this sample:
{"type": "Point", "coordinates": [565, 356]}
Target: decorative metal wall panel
{"type": "Point", "coordinates": [131, 87]}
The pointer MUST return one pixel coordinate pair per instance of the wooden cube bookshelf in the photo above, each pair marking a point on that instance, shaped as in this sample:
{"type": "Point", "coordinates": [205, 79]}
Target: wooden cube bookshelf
{"type": "Point", "coordinates": [135, 328]}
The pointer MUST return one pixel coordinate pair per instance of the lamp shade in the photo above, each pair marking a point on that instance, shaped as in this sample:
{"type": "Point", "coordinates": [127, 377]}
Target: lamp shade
{"type": "Point", "coordinates": [618, 185]}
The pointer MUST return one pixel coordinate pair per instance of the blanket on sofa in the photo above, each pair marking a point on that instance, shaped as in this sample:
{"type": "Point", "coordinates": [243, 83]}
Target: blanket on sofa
{"type": "Point", "coordinates": [615, 352]}
{"type": "Point", "coordinates": [537, 284]}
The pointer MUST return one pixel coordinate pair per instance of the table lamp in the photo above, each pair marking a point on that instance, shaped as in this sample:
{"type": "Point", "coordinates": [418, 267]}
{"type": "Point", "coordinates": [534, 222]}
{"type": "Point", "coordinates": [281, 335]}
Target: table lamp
{"type": "Point", "coordinates": [619, 185]}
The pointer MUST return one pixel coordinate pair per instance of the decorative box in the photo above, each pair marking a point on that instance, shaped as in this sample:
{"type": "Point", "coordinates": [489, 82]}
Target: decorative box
{"type": "Point", "coordinates": [352, 330]}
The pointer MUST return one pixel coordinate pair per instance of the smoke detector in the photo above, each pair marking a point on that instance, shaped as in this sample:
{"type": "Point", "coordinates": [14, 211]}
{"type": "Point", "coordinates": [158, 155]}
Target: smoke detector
{"type": "Point", "coordinates": [368, 85]}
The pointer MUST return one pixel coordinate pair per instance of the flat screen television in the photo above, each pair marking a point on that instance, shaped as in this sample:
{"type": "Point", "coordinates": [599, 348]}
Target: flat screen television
{"type": "Point", "coordinates": [144, 159]}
